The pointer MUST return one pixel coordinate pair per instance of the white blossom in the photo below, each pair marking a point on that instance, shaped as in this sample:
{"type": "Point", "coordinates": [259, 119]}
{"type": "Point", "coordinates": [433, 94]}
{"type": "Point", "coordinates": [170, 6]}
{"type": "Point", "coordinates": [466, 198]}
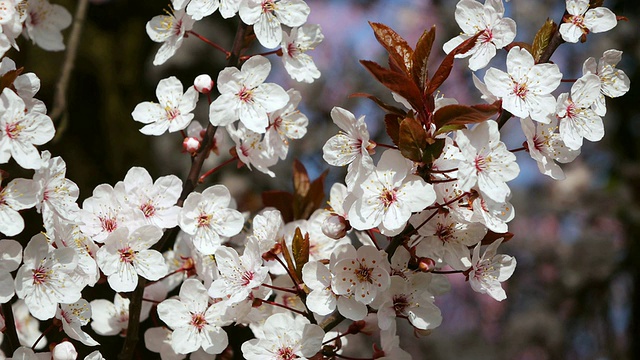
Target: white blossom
{"type": "Point", "coordinates": [45, 22]}
{"type": "Point", "coordinates": [489, 270]}
{"type": "Point", "coordinates": [169, 30]}
{"type": "Point", "coordinates": [297, 62]}
{"type": "Point", "coordinates": [268, 16]}
{"type": "Point", "coordinates": [581, 20]}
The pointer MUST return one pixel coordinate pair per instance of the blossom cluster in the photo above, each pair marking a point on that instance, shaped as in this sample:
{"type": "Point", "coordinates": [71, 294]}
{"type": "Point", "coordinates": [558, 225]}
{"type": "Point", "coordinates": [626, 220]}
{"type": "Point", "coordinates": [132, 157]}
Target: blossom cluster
{"type": "Point", "coordinates": [375, 256]}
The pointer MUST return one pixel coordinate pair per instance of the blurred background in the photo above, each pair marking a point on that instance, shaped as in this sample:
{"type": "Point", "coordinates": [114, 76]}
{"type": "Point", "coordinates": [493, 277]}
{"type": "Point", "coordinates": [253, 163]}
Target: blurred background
{"type": "Point", "coordinates": [575, 293]}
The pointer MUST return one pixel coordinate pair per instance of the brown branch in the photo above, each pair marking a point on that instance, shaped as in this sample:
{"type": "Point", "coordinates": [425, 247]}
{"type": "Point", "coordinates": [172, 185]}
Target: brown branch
{"type": "Point", "coordinates": [60, 97]}
{"type": "Point", "coordinates": [10, 327]}
{"type": "Point", "coordinates": [188, 186]}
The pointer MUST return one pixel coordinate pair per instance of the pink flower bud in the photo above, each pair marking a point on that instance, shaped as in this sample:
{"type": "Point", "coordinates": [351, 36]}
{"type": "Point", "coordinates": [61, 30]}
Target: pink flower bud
{"type": "Point", "coordinates": [203, 83]}
{"type": "Point", "coordinates": [190, 144]}
{"type": "Point", "coordinates": [335, 227]}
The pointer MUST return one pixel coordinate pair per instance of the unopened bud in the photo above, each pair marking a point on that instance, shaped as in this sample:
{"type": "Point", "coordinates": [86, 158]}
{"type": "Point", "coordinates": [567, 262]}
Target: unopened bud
{"type": "Point", "coordinates": [335, 227]}
{"type": "Point", "coordinates": [190, 144]}
{"type": "Point", "coordinates": [426, 264]}
{"type": "Point", "coordinates": [203, 84]}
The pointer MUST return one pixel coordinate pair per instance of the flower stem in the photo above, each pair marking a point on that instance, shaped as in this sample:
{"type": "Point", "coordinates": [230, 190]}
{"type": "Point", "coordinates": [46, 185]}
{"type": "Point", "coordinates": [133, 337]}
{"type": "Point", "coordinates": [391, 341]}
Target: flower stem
{"type": "Point", "coordinates": [215, 46]}
{"type": "Point", "coordinates": [292, 291]}
{"type": "Point", "coordinates": [208, 173]}
{"type": "Point", "coordinates": [518, 149]}
{"type": "Point", "coordinates": [284, 307]}
{"type": "Point", "coordinates": [387, 146]}
{"type": "Point", "coordinates": [44, 333]}
{"type": "Point", "coordinates": [275, 51]}
{"type": "Point", "coordinates": [10, 328]}
{"type": "Point", "coordinates": [447, 271]}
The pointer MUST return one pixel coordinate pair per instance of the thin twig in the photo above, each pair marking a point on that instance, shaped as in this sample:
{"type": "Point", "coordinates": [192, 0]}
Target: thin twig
{"type": "Point", "coordinates": [60, 97]}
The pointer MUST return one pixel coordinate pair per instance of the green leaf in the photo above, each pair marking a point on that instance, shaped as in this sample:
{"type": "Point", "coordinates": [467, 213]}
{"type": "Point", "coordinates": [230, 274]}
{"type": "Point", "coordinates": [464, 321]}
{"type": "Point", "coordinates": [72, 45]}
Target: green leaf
{"type": "Point", "coordinates": [396, 82]}
{"type": "Point", "coordinates": [443, 71]}
{"type": "Point", "coordinates": [463, 114]}
{"type": "Point", "coordinates": [420, 58]}
{"type": "Point", "coordinates": [412, 139]}
{"type": "Point", "coordinates": [400, 52]}
{"type": "Point", "coordinates": [300, 250]}
{"type": "Point", "coordinates": [542, 38]}
{"type": "Point", "coordinates": [433, 151]}
{"type": "Point", "coordinates": [449, 128]}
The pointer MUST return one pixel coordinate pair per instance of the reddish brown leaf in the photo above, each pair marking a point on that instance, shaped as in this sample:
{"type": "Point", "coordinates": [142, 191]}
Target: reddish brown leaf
{"type": "Point", "coordinates": [412, 139]}
{"type": "Point", "coordinates": [300, 250]}
{"type": "Point", "coordinates": [280, 200]}
{"type": "Point", "coordinates": [8, 78]}
{"type": "Point", "coordinates": [491, 237]}
{"type": "Point", "coordinates": [433, 151]}
{"type": "Point", "coordinates": [421, 57]}
{"type": "Point", "coordinates": [396, 82]}
{"type": "Point", "coordinates": [463, 114]}
{"type": "Point", "coordinates": [301, 180]}
{"type": "Point", "coordinates": [384, 106]}
{"type": "Point", "coordinates": [392, 123]}
{"type": "Point", "coordinates": [542, 38]}
{"type": "Point", "coordinates": [595, 3]}
{"type": "Point", "coordinates": [289, 260]}
{"type": "Point", "coordinates": [447, 63]}
{"type": "Point", "coordinates": [400, 52]}
{"type": "Point", "coordinates": [315, 197]}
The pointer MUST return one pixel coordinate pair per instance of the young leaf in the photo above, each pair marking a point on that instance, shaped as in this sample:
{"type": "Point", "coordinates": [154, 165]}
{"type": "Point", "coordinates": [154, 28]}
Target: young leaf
{"type": "Point", "coordinates": [400, 52]}
{"type": "Point", "coordinates": [392, 124]}
{"type": "Point", "coordinates": [301, 180]}
{"type": "Point", "coordinates": [412, 139]}
{"type": "Point", "coordinates": [384, 106]}
{"type": "Point", "coordinates": [493, 236]}
{"type": "Point", "coordinates": [447, 63]}
{"type": "Point", "coordinates": [463, 114]}
{"type": "Point", "coordinates": [290, 264]}
{"type": "Point", "coordinates": [315, 197]}
{"type": "Point", "coordinates": [449, 128]}
{"type": "Point", "coordinates": [421, 57]}
{"type": "Point", "coordinates": [396, 82]}
{"type": "Point", "coordinates": [542, 38]}
{"type": "Point", "coordinates": [300, 250]}
{"type": "Point", "coordinates": [280, 200]}
{"type": "Point", "coordinates": [433, 151]}
{"type": "Point", "coordinates": [595, 3]}
{"type": "Point", "coordinates": [8, 78]}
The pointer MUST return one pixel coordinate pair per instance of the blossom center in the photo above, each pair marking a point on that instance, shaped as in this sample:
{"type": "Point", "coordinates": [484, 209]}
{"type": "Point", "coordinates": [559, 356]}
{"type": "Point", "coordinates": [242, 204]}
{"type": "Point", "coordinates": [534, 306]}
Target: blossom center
{"type": "Point", "coordinates": [286, 353]}
{"type": "Point", "coordinates": [388, 197]}
{"type": "Point", "coordinates": [127, 255]}
{"type": "Point", "coordinates": [198, 321]}
{"type": "Point", "coordinates": [400, 303]}
{"type": "Point", "coordinates": [481, 163]}
{"type": "Point", "coordinates": [364, 274]}
{"type": "Point", "coordinates": [292, 49]}
{"type": "Point", "coordinates": [108, 224]}
{"type": "Point", "coordinates": [445, 233]}
{"type": "Point", "coordinates": [13, 130]}
{"type": "Point", "coordinates": [40, 275]}
{"type": "Point", "coordinates": [486, 37]}
{"type": "Point", "coordinates": [245, 95]}
{"type": "Point", "coordinates": [578, 21]}
{"type": "Point", "coordinates": [204, 219]}
{"type": "Point", "coordinates": [268, 6]}
{"type": "Point", "coordinates": [148, 209]}
{"type": "Point", "coordinates": [172, 113]}
{"type": "Point", "coordinates": [520, 90]}
{"type": "Point", "coordinates": [247, 276]}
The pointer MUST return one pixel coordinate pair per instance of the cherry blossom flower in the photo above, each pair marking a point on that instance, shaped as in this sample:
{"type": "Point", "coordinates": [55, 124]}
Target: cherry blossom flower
{"type": "Point", "coordinates": [613, 81]}
{"type": "Point", "coordinates": [493, 214]}
{"type": "Point", "coordinates": [525, 89]}
{"type": "Point", "coordinates": [391, 346]}
{"type": "Point", "coordinates": [64, 351]}
{"type": "Point", "coordinates": [489, 270]}
{"type": "Point", "coordinates": [27, 326]}
{"type": "Point", "coordinates": [169, 30]}
{"type": "Point", "coordinates": [238, 274]}
{"type": "Point", "coordinates": [73, 316]}
{"type": "Point", "coordinates": [447, 238]}
{"type": "Point", "coordinates": [350, 146]}
{"type": "Point", "coordinates": [365, 276]}
{"type": "Point", "coordinates": [244, 95]}
{"type": "Point", "coordinates": [158, 340]}
{"type": "Point", "coordinates": [545, 147]}
{"type": "Point", "coordinates": [110, 318]}
{"type": "Point", "coordinates": [268, 16]}
{"type": "Point", "coordinates": [252, 149]}
{"type": "Point", "coordinates": [388, 196]}
{"type": "Point", "coordinates": [11, 27]}
{"type": "Point", "coordinates": [284, 124]}
{"type": "Point", "coordinates": [487, 161]}
{"type": "Point", "coordinates": [18, 195]}
{"type": "Point", "coordinates": [336, 223]}
{"type": "Point", "coordinates": [10, 260]}
{"type": "Point", "coordinates": [44, 280]}
{"type": "Point", "coordinates": [26, 86]}
{"type": "Point", "coordinates": [102, 214]}
{"type": "Point", "coordinates": [156, 200]}
{"type": "Point", "coordinates": [25, 353]}
{"type": "Point", "coordinates": [202, 8]}
{"type": "Point", "coordinates": [21, 131]}
{"type": "Point", "coordinates": [172, 113]}
{"type": "Point", "coordinates": [298, 64]}
{"type": "Point", "coordinates": [577, 120]}
{"type": "Point", "coordinates": [124, 256]}
{"type": "Point", "coordinates": [581, 20]}
{"type": "Point", "coordinates": [268, 229]}
{"type": "Point", "coordinates": [57, 195]}
{"type": "Point", "coordinates": [411, 299]}
{"type": "Point", "coordinates": [497, 32]}
{"type": "Point", "coordinates": [66, 234]}
{"type": "Point", "coordinates": [285, 336]}
{"type": "Point", "coordinates": [45, 22]}
{"type": "Point", "coordinates": [195, 324]}
{"type": "Point", "coordinates": [207, 217]}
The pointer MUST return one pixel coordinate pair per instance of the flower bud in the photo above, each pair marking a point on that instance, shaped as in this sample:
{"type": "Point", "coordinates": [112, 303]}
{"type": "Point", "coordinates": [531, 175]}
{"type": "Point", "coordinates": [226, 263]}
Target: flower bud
{"type": "Point", "coordinates": [190, 144]}
{"type": "Point", "coordinates": [203, 83]}
{"type": "Point", "coordinates": [335, 226]}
